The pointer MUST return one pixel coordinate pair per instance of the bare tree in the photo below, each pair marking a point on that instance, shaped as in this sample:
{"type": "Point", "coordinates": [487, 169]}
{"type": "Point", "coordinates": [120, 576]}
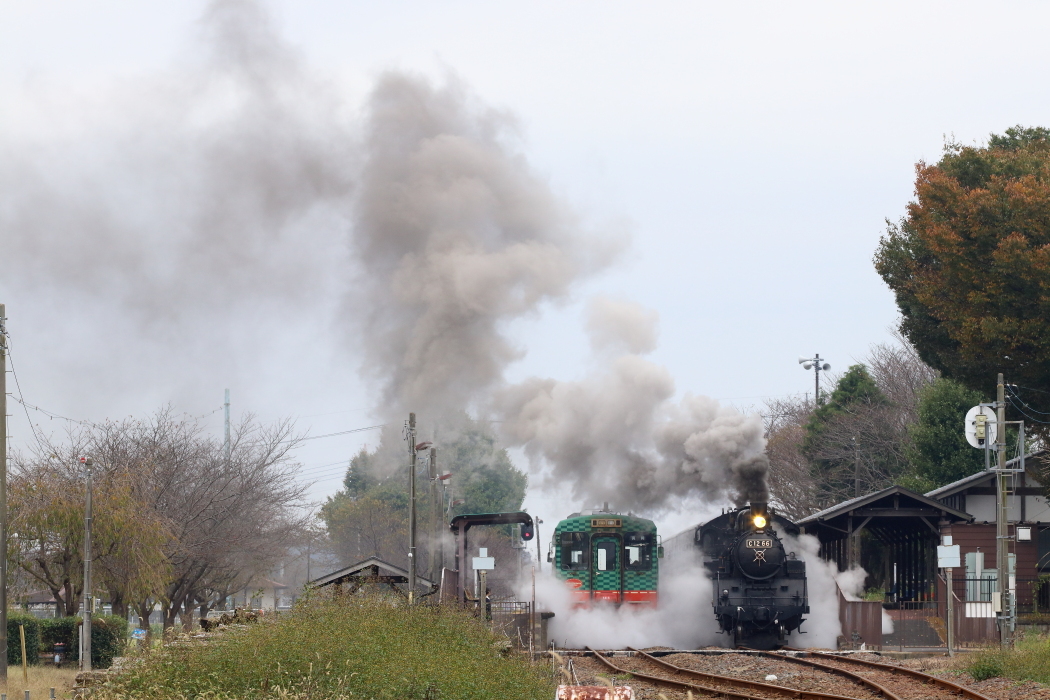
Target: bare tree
{"type": "Point", "coordinates": [858, 447]}
{"type": "Point", "coordinates": [792, 490]}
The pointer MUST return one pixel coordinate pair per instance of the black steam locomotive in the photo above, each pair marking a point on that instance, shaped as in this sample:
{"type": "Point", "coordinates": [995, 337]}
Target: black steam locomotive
{"type": "Point", "coordinates": [759, 588]}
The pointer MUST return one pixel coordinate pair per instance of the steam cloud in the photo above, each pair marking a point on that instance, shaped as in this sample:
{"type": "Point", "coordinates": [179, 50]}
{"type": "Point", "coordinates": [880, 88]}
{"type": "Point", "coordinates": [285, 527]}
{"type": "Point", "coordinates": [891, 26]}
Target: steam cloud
{"type": "Point", "coordinates": [199, 203]}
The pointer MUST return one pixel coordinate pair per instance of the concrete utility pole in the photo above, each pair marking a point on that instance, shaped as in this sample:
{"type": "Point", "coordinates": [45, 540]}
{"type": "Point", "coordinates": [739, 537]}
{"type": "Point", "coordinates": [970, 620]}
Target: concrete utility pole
{"type": "Point", "coordinates": [3, 492]}
{"type": "Point", "coordinates": [85, 654]}
{"type": "Point", "coordinates": [437, 547]}
{"type": "Point", "coordinates": [412, 508]}
{"type": "Point", "coordinates": [1002, 528]}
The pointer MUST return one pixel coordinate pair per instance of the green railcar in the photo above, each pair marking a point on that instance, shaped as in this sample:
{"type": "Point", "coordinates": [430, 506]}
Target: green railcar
{"type": "Point", "coordinates": [607, 557]}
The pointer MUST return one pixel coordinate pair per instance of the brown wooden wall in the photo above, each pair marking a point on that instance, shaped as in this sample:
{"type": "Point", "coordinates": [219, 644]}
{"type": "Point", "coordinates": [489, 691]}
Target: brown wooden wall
{"type": "Point", "coordinates": [969, 537]}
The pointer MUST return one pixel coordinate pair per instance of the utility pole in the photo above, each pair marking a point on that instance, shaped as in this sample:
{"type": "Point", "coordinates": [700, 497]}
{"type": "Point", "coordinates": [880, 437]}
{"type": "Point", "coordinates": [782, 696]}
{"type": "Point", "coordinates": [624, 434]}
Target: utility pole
{"type": "Point", "coordinates": [412, 508]}
{"type": "Point", "coordinates": [437, 543]}
{"type": "Point", "coordinates": [1002, 545]}
{"type": "Point", "coordinates": [3, 492]}
{"type": "Point", "coordinates": [226, 425]}
{"type": "Point", "coordinates": [856, 469]}
{"type": "Point", "coordinates": [85, 654]}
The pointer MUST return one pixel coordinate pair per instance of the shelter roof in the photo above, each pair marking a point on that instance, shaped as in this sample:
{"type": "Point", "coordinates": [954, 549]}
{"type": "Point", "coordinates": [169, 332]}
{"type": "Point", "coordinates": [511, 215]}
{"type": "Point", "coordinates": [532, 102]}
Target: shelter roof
{"type": "Point", "coordinates": [892, 502]}
{"type": "Point", "coordinates": [373, 567]}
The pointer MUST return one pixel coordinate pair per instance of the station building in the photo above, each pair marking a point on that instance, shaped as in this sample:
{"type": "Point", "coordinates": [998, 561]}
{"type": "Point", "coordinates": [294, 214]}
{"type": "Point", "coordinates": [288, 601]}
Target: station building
{"type": "Point", "coordinates": [893, 534]}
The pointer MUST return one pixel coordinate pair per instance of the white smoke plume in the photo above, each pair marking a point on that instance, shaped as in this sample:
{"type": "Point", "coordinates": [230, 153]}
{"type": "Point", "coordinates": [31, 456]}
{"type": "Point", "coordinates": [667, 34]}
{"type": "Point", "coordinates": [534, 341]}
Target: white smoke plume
{"type": "Point", "coordinates": [822, 627]}
{"type": "Point", "coordinates": [682, 620]}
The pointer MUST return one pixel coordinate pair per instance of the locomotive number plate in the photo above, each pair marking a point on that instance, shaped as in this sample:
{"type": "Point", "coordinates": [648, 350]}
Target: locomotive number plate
{"type": "Point", "coordinates": [760, 544]}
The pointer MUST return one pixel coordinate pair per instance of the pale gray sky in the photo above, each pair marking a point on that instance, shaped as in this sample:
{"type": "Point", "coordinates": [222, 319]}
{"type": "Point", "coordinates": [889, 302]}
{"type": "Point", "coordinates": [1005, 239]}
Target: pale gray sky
{"type": "Point", "coordinates": [752, 150]}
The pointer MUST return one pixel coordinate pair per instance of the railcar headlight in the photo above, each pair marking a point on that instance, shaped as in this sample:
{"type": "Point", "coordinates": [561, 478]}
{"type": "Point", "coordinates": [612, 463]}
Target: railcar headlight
{"type": "Point", "coordinates": [760, 522]}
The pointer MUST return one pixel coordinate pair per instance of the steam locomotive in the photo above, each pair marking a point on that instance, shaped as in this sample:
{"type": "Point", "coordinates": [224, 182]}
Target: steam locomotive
{"type": "Point", "coordinates": [759, 592]}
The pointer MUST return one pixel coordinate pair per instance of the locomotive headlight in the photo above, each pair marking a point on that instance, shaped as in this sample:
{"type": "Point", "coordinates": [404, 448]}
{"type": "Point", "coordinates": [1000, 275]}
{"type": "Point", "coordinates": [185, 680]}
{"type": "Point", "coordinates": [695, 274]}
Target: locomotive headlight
{"type": "Point", "coordinates": [760, 522]}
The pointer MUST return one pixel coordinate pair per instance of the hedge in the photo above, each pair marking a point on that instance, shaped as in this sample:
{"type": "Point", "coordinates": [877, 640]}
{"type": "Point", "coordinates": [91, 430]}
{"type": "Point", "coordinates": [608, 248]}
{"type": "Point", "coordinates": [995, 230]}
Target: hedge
{"type": "Point", "coordinates": [14, 642]}
{"type": "Point", "coordinates": [108, 635]}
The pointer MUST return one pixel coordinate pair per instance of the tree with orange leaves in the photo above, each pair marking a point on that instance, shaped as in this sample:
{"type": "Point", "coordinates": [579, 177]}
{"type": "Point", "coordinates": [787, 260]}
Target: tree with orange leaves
{"type": "Point", "coordinates": [970, 265]}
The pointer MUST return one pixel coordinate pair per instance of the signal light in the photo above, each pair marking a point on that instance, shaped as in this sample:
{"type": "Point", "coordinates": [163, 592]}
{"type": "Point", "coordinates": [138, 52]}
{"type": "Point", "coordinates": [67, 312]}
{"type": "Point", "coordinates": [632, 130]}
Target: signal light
{"type": "Point", "coordinates": [527, 531]}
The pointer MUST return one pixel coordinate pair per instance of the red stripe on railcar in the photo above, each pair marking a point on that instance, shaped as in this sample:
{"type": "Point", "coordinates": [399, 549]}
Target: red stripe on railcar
{"type": "Point", "coordinates": [645, 597]}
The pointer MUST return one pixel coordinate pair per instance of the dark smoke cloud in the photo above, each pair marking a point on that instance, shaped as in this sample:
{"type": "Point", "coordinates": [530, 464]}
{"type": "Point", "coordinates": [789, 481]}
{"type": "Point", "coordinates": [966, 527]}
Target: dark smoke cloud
{"type": "Point", "coordinates": [457, 237]}
{"type": "Point", "coordinates": [205, 204]}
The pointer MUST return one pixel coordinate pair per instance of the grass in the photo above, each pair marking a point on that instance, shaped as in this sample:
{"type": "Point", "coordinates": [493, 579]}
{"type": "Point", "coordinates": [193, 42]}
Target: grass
{"type": "Point", "coordinates": [41, 680]}
{"type": "Point", "coordinates": [330, 649]}
{"type": "Point", "coordinates": [1028, 661]}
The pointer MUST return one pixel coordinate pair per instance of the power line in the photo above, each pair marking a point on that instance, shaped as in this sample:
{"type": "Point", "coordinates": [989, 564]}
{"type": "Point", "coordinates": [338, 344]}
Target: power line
{"type": "Point", "coordinates": [343, 432]}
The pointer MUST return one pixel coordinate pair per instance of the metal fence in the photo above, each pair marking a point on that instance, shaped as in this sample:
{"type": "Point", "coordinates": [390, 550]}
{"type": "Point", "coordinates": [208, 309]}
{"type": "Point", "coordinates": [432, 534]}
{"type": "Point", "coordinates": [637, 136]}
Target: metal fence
{"type": "Point", "coordinates": [924, 623]}
{"type": "Point", "coordinates": [514, 620]}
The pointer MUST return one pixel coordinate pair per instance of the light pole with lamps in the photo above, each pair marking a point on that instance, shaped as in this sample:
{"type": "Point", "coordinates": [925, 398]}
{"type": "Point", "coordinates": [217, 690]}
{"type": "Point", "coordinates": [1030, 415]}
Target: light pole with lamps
{"type": "Point", "coordinates": [816, 364]}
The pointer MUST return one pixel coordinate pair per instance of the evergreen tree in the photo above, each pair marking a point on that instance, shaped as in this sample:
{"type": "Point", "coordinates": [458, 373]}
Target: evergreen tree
{"type": "Point", "coordinates": [938, 452]}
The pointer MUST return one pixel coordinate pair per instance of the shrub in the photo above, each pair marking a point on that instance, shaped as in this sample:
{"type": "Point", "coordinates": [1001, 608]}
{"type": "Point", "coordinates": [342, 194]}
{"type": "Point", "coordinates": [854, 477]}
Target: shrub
{"type": "Point", "coordinates": [336, 648]}
{"type": "Point", "coordinates": [108, 635]}
{"type": "Point", "coordinates": [986, 664]}
{"type": "Point", "coordinates": [1028, 661]}
{"type": "Point", "coordinates": [14, 642]}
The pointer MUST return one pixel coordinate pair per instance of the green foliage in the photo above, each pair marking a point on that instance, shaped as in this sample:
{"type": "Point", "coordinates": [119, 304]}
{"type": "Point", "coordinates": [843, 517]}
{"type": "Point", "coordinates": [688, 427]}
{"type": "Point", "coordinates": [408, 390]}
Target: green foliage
{"type": "Point", "coordinates": [14, 643]}
{"type": "Point", "coordinates": [356, 647]}
{"type": "Point", "coordinates": [985, 665]}
{"type": "Point", "coordinates": [369, 516]}
{"type": "Point", "coordinates": [938, 451]}
{"type": "Point", "coordinates": [1028, 661]}
{"type": "Point", "coordinates": [360, 477]}
{"type": "Point", "coordinates": [969, 264]}
{"type": "Point", "coordinates": [109, 633]}
{"type": "Point", "coordinates": [829, 436]}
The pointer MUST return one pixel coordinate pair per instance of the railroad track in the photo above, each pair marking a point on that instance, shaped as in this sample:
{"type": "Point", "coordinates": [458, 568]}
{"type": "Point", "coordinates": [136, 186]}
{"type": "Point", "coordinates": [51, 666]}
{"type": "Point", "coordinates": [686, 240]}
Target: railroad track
{"type": "Point", "coordinates": [713, 684]}
{"type": "Point", "coordinates": [888, 680]}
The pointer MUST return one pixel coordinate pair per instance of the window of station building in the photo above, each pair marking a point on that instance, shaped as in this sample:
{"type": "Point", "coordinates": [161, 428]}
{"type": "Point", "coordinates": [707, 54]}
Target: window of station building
{"type": "Point", "coordinates": [638, 551]}
{"type": "Point", "coordinates": [605, 552]}
{"type": "Point", "coordinates": [574, 551]}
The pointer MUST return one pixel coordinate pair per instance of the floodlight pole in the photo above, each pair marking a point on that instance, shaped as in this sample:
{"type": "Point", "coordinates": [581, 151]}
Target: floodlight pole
{"type": "Point", "coordinates": [85, 655]}
{"type": "Point", "coordinates": [816, 362]}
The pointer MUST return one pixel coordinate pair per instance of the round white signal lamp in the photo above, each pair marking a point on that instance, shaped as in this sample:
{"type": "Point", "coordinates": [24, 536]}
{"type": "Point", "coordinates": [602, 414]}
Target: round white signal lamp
{"type": "Point", "coordinates": [760, 522]}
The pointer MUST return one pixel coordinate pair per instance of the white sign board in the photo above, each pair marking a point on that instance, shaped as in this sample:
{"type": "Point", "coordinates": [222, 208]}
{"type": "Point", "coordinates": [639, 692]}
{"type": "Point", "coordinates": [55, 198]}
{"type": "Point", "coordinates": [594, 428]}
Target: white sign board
{"type": "Point", "coordinates": [484, 563]}
{"type": "Point", "coordinates": [948, 556]}
{"type": "Point", "coordinates": [974, 423]}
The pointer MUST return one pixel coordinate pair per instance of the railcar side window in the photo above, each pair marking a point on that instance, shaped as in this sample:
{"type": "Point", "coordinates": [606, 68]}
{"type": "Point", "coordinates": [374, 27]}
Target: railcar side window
{"type": "Point", "coordinates": [574, 551]}
{"type": "Point", "coordinates": [606, 552]}
{"type": "Point", "coordinates": [637, 551]}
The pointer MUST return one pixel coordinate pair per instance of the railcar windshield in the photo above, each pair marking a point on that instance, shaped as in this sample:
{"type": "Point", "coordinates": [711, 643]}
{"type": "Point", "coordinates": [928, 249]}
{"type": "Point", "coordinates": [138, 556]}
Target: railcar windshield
{"type": "Point", "coordinates": [574, 551]}
{"type": "Point", "coordinates": [638, 551]}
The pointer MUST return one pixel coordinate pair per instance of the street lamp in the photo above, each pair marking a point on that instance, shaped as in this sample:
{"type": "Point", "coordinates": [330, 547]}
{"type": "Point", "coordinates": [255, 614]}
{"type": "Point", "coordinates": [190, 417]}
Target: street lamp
{"type": "Point", "coordinates": [816, 364]}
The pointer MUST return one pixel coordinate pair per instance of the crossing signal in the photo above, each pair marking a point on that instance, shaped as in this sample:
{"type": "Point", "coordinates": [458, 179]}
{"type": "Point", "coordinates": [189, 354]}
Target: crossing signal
{"type": "Point", "coordinates": [527, 531]}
